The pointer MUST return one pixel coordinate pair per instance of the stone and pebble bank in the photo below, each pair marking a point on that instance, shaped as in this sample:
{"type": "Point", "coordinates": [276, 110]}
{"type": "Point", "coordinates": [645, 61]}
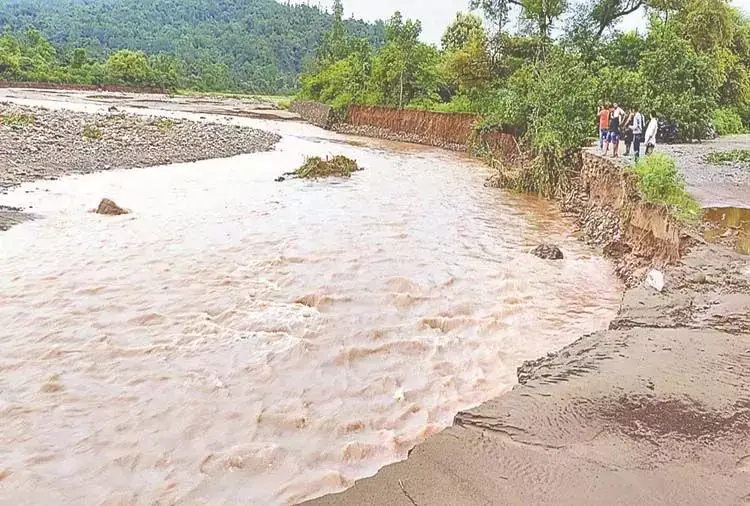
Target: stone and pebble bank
{"type": "Point", "coordinates": [42, 144]}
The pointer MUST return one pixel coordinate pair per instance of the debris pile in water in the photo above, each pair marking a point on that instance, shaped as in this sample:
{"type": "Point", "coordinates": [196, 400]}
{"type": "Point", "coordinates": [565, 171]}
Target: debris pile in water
{"type": "Point", "coordinates": [107, 206]}
{"type": "Point", "coordinates": [337, 166]}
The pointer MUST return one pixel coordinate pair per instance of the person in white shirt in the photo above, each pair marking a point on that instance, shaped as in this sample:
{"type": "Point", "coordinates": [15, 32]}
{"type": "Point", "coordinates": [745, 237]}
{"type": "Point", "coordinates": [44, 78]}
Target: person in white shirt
{"type": "Point", "coordinates": [650, 137]}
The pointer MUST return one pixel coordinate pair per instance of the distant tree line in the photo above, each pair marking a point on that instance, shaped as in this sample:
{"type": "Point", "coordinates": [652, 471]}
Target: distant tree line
{"type": "Point", "coordinates": [257, 46]}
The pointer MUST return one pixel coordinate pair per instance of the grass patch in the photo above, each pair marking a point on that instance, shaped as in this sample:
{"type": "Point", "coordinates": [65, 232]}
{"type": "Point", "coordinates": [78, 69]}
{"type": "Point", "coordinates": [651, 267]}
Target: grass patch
{"type": "Point", "coordinates": [91, 132]}
{"type": "Point", "coordinates": [736, 155]}
{"type": "Point", "coordinates": [17, 119]}
{"type": "Point", "coordinates": [338, 166]}
{"type": "Point", "coordinates": [164, 124]}
{"type": "Point", "coordinates": [660, 183]}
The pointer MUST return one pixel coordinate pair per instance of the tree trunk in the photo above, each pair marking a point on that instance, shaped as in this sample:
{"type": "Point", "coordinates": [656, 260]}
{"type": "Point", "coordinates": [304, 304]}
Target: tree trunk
{"type": "Point", "coordinates": [401, 92]}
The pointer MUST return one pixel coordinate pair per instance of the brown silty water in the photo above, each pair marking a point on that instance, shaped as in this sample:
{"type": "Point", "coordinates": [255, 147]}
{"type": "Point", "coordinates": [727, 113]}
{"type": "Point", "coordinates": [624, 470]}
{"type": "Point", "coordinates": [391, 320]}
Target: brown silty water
{"type": "Point", "coordinates": [237, 340]}
{"type": "Point", "coordinates": [730, 224]}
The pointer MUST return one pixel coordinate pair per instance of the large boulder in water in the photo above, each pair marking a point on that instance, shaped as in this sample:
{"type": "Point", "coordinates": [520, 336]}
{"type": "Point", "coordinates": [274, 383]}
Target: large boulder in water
{"type": "Point", "coordinates": [108, 207]}
{"type": "Point", "coordinates": [548, 252]}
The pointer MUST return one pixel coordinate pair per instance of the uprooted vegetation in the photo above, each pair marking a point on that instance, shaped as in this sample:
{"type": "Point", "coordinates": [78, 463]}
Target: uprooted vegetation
{"type": "Point", "coordinates": [660, 183]}
{"type": "Point", "coordinates": [316, 167]}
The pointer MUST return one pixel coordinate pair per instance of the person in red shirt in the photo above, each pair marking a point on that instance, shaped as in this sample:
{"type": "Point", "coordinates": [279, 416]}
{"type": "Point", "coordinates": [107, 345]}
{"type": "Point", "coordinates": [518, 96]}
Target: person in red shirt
{"type": "Point", "coordinates": [603, 124]}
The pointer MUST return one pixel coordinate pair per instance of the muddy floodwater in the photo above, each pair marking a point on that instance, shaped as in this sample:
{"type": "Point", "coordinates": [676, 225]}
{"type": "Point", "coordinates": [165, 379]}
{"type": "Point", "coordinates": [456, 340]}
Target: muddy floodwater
{"type": "Point", "coordinates": [238, 340]}
{"type": "Point", "coordinates": [731, 224]}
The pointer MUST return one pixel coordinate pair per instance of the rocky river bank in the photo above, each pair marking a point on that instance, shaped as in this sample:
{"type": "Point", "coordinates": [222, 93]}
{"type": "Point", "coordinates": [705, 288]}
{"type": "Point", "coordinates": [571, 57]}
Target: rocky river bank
{"type": "Point", "coordinates": [42, 144]}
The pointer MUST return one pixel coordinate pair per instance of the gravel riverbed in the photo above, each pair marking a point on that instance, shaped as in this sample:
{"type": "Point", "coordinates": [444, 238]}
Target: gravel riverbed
{"type": "Point", "coordinates": [42, 144]}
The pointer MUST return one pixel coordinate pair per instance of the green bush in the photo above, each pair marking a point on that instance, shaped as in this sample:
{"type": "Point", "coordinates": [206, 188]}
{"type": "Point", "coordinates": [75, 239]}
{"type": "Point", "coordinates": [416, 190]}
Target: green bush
{"type": "Point", "coordinates": [91, 132]}
{"type": "Point", "coordinates": [164, 124]}
{"type": "Point", "coordinates": [338, 166]}
{"type": "Point", "coordinates": [736, 155]}
{"type": "Point", "coordinates": [17, 119]}
{"type": "Point", "coordinates": [726, 121]}
{"type": "Point", "coordinates": [659, 182]}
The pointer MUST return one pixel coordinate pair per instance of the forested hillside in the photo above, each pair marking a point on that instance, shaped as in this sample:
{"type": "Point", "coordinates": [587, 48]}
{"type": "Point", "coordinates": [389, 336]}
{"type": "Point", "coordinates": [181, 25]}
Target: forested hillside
{"type": "Point", "coordinates": [248, 45]}
{"type": "Point", "coordinates": [690, 70]}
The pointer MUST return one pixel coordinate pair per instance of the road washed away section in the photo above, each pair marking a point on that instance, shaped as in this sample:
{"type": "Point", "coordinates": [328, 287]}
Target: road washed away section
{"type": "Point", "coordinates": [234, 339]}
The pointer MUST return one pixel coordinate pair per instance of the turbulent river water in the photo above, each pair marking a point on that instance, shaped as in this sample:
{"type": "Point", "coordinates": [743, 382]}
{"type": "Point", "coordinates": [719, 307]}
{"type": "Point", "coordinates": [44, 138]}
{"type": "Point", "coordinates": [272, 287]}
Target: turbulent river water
{"type": "Point", "coordinates": [238, 340]}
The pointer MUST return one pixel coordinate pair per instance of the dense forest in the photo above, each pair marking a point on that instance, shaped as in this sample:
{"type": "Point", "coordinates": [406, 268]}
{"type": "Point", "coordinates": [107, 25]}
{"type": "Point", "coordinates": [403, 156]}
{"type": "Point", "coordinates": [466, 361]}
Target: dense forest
{"type": "Point", "coordinates": [690, 69]}
{"type": "Point", "coordinates": [239, 45]}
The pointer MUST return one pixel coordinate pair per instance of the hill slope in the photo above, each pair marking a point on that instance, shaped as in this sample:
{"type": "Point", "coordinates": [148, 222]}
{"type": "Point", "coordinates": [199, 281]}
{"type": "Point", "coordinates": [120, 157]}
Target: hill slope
{"type": "Point", "coordinates": [264, 43]}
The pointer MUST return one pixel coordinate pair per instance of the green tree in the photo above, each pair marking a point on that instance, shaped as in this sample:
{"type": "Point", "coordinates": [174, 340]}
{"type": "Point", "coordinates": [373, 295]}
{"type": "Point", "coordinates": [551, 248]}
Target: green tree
{"type": "Point", "coordinates": [80, 58]}
{"type": "Point", "coordinates": [128, 67]}
{"type": "Point", "coordinates": [167, 70]}
{"type": "Point", "coordinates": [462, 31]}
{"type": "Point", "coordinates": [10, 56]}
{"type": "Point", "coordinates": [541, 13]}
{"type": "Point", "coordinates": [681, 85]}
{"type": "Point", "coordinates": [404, 69]}
{"type": "Point", "coordinates": [709, 24]}
{"type": "Point", "coordinates": [263, 43]}
{"type": "Point", "coordinates": [467, 68]}
{"type": "Point", "coordinates": [335, 44]}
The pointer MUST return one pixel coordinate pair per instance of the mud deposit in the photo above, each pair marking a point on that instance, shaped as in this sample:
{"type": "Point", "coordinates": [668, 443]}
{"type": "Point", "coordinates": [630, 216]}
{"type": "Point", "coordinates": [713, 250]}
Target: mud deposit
{"type": "Point", "coordinates": [236, 340]}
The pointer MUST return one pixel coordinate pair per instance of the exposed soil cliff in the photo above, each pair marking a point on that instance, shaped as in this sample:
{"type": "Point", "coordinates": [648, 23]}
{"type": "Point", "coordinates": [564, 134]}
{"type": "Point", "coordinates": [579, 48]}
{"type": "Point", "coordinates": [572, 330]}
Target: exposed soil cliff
{"type": "Point", "coordinates": [611, 214]}
{"type": "Point", "coordinates": [444, 130]}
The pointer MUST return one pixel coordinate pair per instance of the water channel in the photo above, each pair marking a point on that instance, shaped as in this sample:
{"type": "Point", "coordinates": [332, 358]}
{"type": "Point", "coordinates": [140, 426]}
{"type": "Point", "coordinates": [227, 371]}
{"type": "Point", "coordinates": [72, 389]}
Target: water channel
{"type": "Point", "coordinates": [240, 340]}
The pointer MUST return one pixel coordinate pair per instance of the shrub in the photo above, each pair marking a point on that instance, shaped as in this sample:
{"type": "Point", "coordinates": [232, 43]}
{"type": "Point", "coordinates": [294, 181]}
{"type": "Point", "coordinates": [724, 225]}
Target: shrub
{"type": "Point", "coordinates": [164, 124]}
{"type": "Point", "coordinates": [659, 182]}
{"type": "Point", "coordinates": [726, 121]}
{"type": "Point", "coordinates": [17, 119]}
{"type": "Point", "coordinates": [736, 155]}
{"type": "Point", "coordinates": [91, 132]}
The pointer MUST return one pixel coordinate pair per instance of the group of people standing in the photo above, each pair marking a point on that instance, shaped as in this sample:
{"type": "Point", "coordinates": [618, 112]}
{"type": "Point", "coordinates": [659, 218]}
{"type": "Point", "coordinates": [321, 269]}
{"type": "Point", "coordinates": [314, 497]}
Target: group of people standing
{"type": "Point", "coordinates": [615, 124]}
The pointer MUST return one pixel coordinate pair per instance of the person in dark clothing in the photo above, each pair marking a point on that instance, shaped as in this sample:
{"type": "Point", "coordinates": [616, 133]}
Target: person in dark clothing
{"type": "Point", "coordinates": [615, 120]}
{"type": "Point", "coordinates": [627, 129]}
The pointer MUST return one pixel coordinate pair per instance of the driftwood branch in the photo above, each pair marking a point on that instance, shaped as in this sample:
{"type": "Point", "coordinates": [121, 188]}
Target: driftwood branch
{"type": "Point", "coordinates": [403, 489]}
